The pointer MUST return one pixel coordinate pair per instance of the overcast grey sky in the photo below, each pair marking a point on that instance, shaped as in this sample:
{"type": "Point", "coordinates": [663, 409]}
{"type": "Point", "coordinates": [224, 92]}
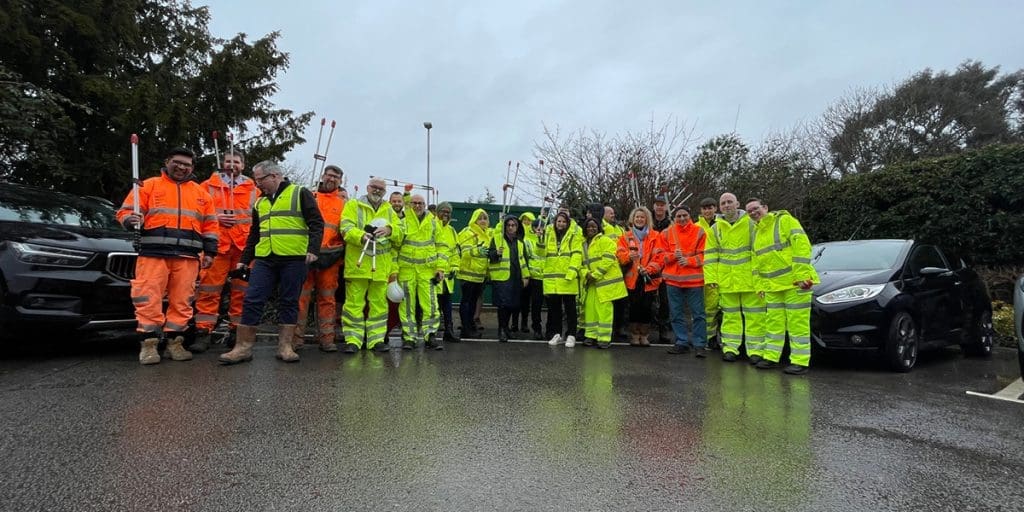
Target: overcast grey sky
{"type": "Point", "coordinates": [489, 74]}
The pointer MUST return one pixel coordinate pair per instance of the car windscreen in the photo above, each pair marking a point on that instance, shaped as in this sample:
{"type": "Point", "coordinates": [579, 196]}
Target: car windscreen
{"type": "Point", "coordinates": [869, 255]}
{"type": "Point", "coordinates": [21, 204]}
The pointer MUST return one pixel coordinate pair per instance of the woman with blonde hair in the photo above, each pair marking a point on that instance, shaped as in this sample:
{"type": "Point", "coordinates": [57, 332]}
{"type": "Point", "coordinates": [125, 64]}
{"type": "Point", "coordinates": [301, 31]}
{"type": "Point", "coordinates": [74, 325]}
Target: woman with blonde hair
{"type": "Point", "coordinates": [639, 252]}
{"type": "Point", "coordinates": [474, 242]}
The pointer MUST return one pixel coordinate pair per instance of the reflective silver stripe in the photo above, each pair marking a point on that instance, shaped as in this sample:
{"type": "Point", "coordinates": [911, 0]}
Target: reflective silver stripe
{"type": "Point", "coordinates": [773, 247]}
{"type": "Point", "coordinates": [376, 325]}
{"type": "Point", "coordinates": [206, 318]}
{"type": "Point", "coordinates": [799, 306]}
{"type": "Point", "coordinates": [140, 299]}
{"type": "Point", "coordinates": [796, 232]}
{"type": "Point", "coordinates": [416, 261]}
{"type": "Point", "coordinates": [801, 260]}
{"type": "Point", "coordinates": [776, 273]}
{"type": "Point", "coordinates": [734, 262]}
{"type": "Point", "coordinates": [776, 305]}
{"type": "Point", "coordinates": [175, 327]}
{"type": "Point", "coordinates": [802, 340]}
{"type": "Point", "coordinates": [419, 243]}
{"type": "Point", "coordinates": [796, 351]}
{"type": "Point", "coordinates": [678, 277]}
{"type": "Point", "coordinates": [607, 282]}
{"type": "Point", "coordinates": [738, 309]}
{"type": "Point", "coordinates": [185, 212]}
{"type": "Point", "coordinates": [350, 317]}
{"type": "Point", "coordinates": [330, 226]}
{"type": "Point", "coordinates": [273, 232]}
{"type": "Point", "coordinates": [209, 288]}
{"type": "Point", "coordinates": [714, 250]}
{"type": "Point", "coordinates": [149, 328]}
{"type": "Point", "coordinates": [163, 240]}
{"type": "Point", "coordinates": [727, 336]}
{"type": "Point", "coordinates": [467, 273]}
{"type": "Point", "coordinates": [776, 337]}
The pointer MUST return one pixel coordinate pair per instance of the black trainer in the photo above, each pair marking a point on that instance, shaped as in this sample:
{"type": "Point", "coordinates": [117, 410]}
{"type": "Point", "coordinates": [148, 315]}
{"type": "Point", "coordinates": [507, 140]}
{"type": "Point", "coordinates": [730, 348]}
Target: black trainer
{"type": "Point", "coordinates": [381, 347]}
{"type": "Point", "coordinates": [754, 359]}
{"type": "Point", "coordinates": [676, 349]}
{"type": "Point", "coordinates": [701, 352]}
{"type": "Point", "coordinates": [603, 344]}
{"type": "Point", "coordinates": [765, 364]}
{"type": "Point", "coordinates": [538, 336]}
{"type": "Point", "coordinates": [729, 357]}
{"type": "Point", "coordinates": [795, 369]}
{"type": "Point", "coordinates": [350, 348]}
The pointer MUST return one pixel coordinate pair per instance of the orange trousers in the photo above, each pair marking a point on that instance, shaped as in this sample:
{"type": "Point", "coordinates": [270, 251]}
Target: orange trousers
{"type": "Point", "coordinates": [155, 277]}
{"type": "Point", "coordinates": [325, 282]}
{"type": "Point", "coordinates": [211, 283]}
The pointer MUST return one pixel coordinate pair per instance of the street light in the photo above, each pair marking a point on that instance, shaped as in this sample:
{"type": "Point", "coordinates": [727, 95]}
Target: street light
{"type": "Point", "coordinates": [428, 125]}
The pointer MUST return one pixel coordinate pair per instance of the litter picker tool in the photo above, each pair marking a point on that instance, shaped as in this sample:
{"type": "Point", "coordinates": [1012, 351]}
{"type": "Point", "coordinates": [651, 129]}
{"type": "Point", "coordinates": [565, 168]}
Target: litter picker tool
{"type": "Point", "coordinates": [137, 241]}
{"type": "Point", "coordinates": [320, 161]}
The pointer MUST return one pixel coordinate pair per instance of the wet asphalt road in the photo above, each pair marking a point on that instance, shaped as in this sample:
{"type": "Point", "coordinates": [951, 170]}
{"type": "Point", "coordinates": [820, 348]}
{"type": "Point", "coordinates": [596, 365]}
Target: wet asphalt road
{"type": "Point", "coordinates": [488, 426]}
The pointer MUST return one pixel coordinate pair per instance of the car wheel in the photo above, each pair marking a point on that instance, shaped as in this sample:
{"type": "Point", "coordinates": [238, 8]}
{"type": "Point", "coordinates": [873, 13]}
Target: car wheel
{"type": "Point", "coordinates": [901, 347]}
{"type": "Point", "coordinates": [981, 336]}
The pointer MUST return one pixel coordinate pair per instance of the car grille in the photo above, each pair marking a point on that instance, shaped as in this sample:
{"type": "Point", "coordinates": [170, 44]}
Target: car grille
{"type": "Point", "coordinates": [121, 265]}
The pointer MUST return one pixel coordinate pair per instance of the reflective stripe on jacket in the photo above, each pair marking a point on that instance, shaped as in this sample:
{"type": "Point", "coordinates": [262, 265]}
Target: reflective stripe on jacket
{"type": "Point", "coordinates": [651, 258]}
{"type": "Point", "coordinates": [691, 241]}
{"type": "Point", "coordinates": [782, 253]}
{"type": "Point", "coordinates": [501, 270]}
{"type": "Point", "coordinates": [283, 230]}
{"type": "Point", "coordinates": [600, 264]}
{"type": "Point", "coordinates": [448, 251]}
{"type": "Point", "coordinates": [728, 255]}
{"type": "Point", "coordinates": [237, 200]}
{"type": "Point", "coordinates": [178, 219]}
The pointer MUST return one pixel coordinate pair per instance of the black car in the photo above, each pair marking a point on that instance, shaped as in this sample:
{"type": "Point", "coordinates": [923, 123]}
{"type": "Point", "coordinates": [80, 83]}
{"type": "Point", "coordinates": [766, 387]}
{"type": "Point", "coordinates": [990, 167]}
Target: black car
{"type": "Point", "coordinates": [65, 264]}
{"type": "Point", "coordinates": [1018, 320]}
{"type": "Point", "coordinates": [898, 297]}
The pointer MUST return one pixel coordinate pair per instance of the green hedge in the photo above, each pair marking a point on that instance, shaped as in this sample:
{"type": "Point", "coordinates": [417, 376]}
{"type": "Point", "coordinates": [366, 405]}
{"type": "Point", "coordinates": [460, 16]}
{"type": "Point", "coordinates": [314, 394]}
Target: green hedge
{"type": "Point", "coordinates": [971, 202]}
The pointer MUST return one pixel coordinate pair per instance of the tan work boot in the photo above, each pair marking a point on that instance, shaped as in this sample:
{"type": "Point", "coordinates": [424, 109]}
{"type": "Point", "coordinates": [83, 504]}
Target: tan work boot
{"type": "Point", "coordinates": [298, 340]}
{"type": "Point", "coordinates": [634, 334]}
{"type": "Point", "coordinates": [328, 345]}
{"type": "Point", "coordinates": [176, 351]}
{"type": "Point", "coordinates": [245, 338]}
{"type": "Point", "coordinates": [645, 331]}
{"type": "Point", "coordinates": [148, 353]}
{"type": "Point", "coordinates": [285, 352]}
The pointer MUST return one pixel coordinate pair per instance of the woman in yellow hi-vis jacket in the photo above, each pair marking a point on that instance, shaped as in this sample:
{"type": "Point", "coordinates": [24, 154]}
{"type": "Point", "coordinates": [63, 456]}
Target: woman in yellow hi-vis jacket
{"type": "Point", "coordinates": [562, 250]}
{"type": "Point", "coordinates": [508, 272]}
{"type": "Point", "coordinates": [474, 240]}
{"type": "Point", "coordinates": [603, 283]}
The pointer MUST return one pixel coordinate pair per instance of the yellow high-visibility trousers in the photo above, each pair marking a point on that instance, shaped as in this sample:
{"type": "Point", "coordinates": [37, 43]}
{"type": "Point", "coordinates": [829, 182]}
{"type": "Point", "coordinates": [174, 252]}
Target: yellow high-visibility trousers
{"type": "Point", "coordinates": [788, 311]}
{"type": "Point", "coordinates": [742, 319]}
{"type": "Point", "coordinates": [358, 324]}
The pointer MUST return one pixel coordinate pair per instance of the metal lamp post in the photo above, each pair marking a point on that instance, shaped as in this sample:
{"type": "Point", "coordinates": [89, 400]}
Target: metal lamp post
{"type": "Point", "coordinates": [428, 125]}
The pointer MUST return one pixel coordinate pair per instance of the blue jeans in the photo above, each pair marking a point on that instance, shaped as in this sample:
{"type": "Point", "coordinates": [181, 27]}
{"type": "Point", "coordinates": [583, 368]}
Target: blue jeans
{"type": "Point", "coordinates": [692, 299]}
{"type": "Point", "coordinates": [267, 275]}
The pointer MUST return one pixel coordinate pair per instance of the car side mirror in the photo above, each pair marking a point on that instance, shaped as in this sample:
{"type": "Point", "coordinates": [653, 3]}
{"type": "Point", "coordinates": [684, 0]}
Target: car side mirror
{"type": "Point", "coordinates": [935, 272]}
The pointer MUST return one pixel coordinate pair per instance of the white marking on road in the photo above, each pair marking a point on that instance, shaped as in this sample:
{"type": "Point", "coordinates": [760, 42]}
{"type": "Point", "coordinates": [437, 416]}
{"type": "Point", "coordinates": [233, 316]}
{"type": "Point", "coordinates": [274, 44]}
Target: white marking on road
{"type": "Point", "coordinates": [1011, 393]}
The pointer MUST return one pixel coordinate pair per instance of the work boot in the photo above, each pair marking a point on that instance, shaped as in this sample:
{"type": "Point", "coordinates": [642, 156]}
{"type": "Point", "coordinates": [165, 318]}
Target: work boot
{"type": "Point", "coordinates": [729, 357]}
{"type": "Point", "coordinates": [244, 341]}
{"type": "Point", "coordinates": [645, 332]}
{"type": "Point", "coordinates": [285, 350]}
{"type": "Point", "coordinates": [408, 345]}
{"type": "Point", "coordinates": [175, 350]}
{"type": "Point", "coordinates": [503, 335]}
{"type": "Point", "coordinates": [603, 344]}
{"type": "Point", "coordinates": [230, 338]}
{"type": "Point", "coordinates": [328, 346]}
{"type": "Point", "coordinates": [433, 343]}
{"type": "Point", "coordinates": [382, 347]}
{"type": "Point", "coordinates": [634, 334]}
{"type": "Point", "coordinates": [449, 334]}
{"type": "Point", "coordinates": [754, 359]}
{"type": "Point", "coordinates": [201, 343]}
{"type": "Point", "coordinates": [298, 338]}
{"type": "Point", "coordinates": [350, 348]}
{"type": "Point", "coordinates": [148, 353]}
{"type": "Point", "coordinates": [765, 364]}
{"type": "Point", "coordinates": [679, 349]}
{"type": "Point", "coordinates": [795, 369]}
{"type": "Point", "coordinates": [701, 353]}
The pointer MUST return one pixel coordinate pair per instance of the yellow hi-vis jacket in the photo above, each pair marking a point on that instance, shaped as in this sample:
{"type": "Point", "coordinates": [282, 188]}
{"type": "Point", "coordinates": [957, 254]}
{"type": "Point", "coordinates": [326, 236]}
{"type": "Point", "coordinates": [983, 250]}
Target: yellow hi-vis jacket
{"type": "Point", "coordinates": [283, 230]}
{"type": "Point", "coordinates": [600, 263]}
{"type": "Point", "coordinates": [782, 253]}
{"type": "Point", "coordinates": [562, 261]}
{"type": "Point", "coordinates": [419, 255]}
{"type": "Point", "coordinates": [473, 243]}
{"type": "Point", "coordinates": [501, 270]}
{"type": "Point", "coordinates": [448, 252]}
{"type": "Point", "coordinates": [728, 255]}
{"type": "Point", "coordinates": [357, 214]}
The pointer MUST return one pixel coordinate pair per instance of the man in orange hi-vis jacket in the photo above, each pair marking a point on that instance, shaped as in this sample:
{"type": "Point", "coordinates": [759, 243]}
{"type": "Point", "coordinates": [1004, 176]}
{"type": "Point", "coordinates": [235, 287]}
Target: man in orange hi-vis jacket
{"type": "Point", "coordinates": [179, 234]}
{"type": "Point", "coordinates": [233, 196]}
{"type": "Point", "coordinates": [323, 273]}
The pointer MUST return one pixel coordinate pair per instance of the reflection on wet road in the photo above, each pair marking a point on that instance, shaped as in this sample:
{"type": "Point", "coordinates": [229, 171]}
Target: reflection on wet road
{"type": "Point", "coordinates": [487, 426]}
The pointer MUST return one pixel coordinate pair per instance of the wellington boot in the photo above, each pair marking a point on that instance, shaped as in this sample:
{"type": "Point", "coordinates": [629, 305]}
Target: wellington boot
{"type": "Point", "coordinates": [245, 338]}
{"type": "Point", "coordinates": [176, 351]}
{"type": "Point", "coordinates": [148, 354]}
{"type": "Point", "coordinates": [285, 350]}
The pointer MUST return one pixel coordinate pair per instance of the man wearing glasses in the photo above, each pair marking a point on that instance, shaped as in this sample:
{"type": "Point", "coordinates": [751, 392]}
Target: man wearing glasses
{"type": "Point", "coordinates": [286, 242]}
{"type": "Point", "coordinates": [371, 229]}
{"type": "Point", "coordinates": [422, 261]}
{"type": "Point", "coordinates": [179, 235]}
{"type": "Point", "coordinates": [323, 274]}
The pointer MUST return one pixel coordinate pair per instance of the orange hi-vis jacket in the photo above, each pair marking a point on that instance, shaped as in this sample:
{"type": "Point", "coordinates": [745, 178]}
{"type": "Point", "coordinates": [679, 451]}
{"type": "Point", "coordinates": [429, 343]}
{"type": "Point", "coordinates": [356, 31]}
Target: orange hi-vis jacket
{"type": "Point", "coordinates": [178, 219]}
{"type": "Point", "coordinates": [689, 240]}
{"type": "Point", "coordinates": [237, 200]}
{"type": "Point", "coordinates": [331, 204]}
{"type": "Point", "coordinates": [651, 257]}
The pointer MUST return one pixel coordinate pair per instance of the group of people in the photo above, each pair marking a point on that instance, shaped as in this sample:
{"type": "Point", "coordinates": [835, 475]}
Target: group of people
{"type": "Point", "coordinates": [598, 280]}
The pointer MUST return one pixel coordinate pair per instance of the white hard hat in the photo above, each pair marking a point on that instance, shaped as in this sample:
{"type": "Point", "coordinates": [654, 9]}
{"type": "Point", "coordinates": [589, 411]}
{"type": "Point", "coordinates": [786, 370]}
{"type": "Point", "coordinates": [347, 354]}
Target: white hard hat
{"type": "Point", "coordinates": [395, 292]}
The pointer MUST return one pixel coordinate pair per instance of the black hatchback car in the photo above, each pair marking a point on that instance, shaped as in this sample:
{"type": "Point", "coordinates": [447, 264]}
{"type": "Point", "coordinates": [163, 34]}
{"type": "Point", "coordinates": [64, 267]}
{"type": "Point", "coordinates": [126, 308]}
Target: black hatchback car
{"type": "Point", "coordinates": [898, 297]}
{"type": "Point", "coordinates": [65, 264]}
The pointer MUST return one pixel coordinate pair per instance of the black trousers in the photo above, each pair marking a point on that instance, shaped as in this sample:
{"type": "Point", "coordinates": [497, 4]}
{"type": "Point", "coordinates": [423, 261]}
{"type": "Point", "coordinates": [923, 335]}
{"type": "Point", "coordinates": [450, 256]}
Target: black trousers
{"type": "Point", "coordinates": [557, 304]}
{"type": "Point", "coordinates": [471, 293]}
{"type": "Point", "coordinates": [530, 303]}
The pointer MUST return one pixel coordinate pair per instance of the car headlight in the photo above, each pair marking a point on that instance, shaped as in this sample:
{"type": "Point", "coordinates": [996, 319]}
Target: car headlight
{"type": "Point", "coordinates": [851, 293]}
{"type": "Point", "coordinates": [56, 256]}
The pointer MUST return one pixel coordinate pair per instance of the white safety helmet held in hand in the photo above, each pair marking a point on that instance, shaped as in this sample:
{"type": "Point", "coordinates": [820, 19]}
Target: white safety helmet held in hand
{"type": "Point", "coordinates": [395, 292]}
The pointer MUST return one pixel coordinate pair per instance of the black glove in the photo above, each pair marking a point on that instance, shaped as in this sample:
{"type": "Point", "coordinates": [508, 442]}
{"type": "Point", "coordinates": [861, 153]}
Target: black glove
{"type": "Point", "coordinates": [369, 229]}
{"type": "Point", "coordinates": [492, 255]}
{"type": "Point", "coordinates": [240, 273]}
